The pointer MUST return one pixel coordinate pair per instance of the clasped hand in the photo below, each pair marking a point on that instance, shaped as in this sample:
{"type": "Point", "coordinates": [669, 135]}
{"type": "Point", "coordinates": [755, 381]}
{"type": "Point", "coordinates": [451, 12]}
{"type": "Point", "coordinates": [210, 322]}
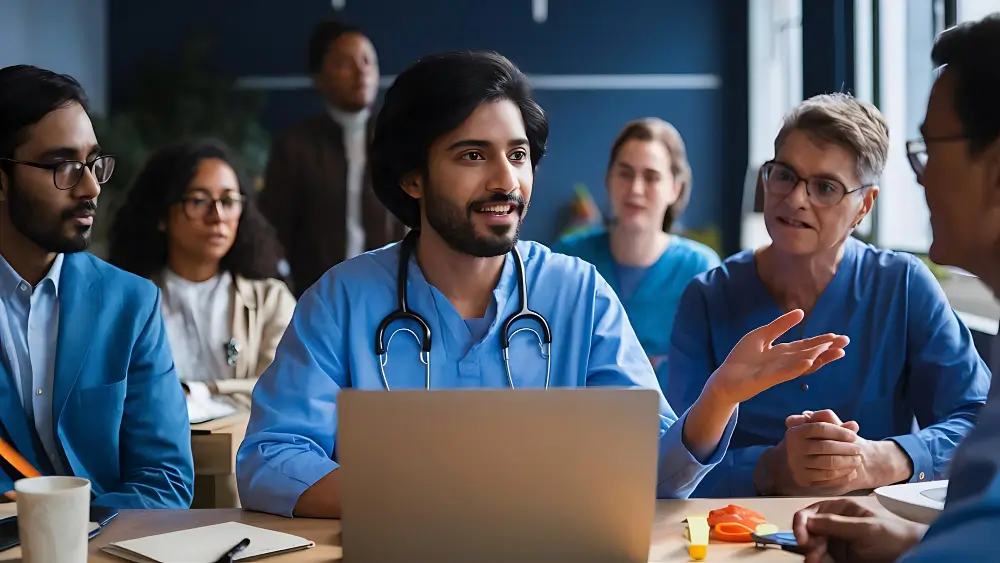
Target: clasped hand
{"type": "Point", "coordinates": [822, 456]}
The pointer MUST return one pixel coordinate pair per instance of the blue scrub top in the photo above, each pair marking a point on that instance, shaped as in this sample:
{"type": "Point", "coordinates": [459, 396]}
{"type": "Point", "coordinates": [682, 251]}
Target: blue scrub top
{"type": "Point", "coordinates": [329, 345]}
{"type": "Point", "coordinates": [651, 296]}
{"type": "Point", "coordinates": [909, 355]}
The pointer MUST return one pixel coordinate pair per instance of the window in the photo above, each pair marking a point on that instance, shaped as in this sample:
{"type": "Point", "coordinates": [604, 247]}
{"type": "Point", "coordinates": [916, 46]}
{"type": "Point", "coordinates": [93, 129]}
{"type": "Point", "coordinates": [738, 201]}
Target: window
{"type": "Point", "coordinates": [898, 58]}
{"type": "Point", "coordinates": [775, 73]}
{"type": "Point", "coordinates": [894, 70]}
{"type": "Point", "coordinates": [966, 10]}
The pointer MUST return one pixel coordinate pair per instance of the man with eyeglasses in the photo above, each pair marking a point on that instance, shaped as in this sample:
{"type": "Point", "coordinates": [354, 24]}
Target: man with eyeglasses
{"type": "Point", "coordinates": [849, 426]}
{"type": "Point", "coordinates": [87, 382]}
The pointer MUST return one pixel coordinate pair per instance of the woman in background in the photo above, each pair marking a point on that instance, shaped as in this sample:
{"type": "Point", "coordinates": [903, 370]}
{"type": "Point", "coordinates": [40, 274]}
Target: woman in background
{"type": "Point", "coordinates": [649, 184]}
{"type": "Point", "coordinates": [190, 225]}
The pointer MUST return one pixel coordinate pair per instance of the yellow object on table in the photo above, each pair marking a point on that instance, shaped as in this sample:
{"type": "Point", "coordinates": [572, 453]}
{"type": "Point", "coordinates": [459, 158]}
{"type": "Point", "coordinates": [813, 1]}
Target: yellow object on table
{"type": "Point", "coordinates": [766, 529]}
{"type": "Point", "coordinates": [698, 536]}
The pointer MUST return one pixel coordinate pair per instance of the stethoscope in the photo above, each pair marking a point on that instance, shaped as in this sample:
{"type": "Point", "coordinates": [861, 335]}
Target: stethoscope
{"type": "Point", "coordinates": [403, 313]}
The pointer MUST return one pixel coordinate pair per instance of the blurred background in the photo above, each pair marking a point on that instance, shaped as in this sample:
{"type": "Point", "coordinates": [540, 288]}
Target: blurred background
{"type": "Point", "coordinates": [722, 71]}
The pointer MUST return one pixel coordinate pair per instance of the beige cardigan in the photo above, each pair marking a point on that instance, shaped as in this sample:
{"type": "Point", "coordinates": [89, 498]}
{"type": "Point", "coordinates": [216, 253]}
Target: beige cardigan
{"type": "Point", "coordinates": [261, 310]}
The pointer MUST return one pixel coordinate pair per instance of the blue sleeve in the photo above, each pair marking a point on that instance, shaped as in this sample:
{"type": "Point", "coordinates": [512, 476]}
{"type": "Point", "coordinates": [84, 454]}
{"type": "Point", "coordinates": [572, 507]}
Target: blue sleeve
{"type": "Point", "coordinates": [966, 530]}
{"type": "Point", "coordinates": [617, 359]}
{"type": "Point", "coordinates": [692, 362]}
{"type": "Point", "coordinates": [156, 466]}
{"type": "Point", "coordinates": [289, 444]}
{"type": "Point", "coordinates": [947, 380]}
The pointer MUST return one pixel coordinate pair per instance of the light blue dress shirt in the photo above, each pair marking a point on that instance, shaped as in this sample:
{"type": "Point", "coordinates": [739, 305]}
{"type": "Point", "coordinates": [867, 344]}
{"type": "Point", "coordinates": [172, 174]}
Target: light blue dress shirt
{"type": "Point", "coordinates": [650, 295]}
{"type": "Point", "coordinates": [29, 324]}
{"type": "Point", "coordinates": [291, 439]}
{"type": "Point", "coordinates": [910, 356]}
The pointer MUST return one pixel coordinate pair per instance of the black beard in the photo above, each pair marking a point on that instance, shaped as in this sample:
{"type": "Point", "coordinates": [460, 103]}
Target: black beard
{"type": "Point", "coordinates": [459, 232]}
{"type": "Point", "coordinates": [38, 227]}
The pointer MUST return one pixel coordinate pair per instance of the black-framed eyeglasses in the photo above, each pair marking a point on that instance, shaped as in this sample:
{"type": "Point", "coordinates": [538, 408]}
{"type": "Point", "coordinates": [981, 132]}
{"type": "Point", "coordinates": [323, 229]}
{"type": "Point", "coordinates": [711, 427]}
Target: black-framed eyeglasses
{"type": "Point", "coordinates": [916, 151]}
{"type": "Point", "coordinates": [67, 173]}
{"type": "Point", "coordinates": [781, 180]}
{"type": "Point", "coordinates": [197, 207]}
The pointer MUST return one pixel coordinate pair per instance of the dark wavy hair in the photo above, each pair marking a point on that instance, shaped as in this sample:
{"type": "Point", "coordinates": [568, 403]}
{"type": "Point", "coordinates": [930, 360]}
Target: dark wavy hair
{"type": "Point", "coordinates": [432, 98]}
{"type": "Point", "coordinates": [138, 245]}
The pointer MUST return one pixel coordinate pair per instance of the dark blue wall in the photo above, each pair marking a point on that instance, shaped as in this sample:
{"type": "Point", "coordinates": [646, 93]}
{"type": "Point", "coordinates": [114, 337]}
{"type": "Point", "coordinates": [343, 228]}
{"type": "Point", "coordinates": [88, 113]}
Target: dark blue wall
{"type": "Point", "coordinates": [262, 37]}
{"type": "Point", "coordinates": [827, 47]}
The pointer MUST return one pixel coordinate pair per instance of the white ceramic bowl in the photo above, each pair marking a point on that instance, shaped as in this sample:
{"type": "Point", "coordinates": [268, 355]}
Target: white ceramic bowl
{"type": "Point", "coordinates": [919, 502]}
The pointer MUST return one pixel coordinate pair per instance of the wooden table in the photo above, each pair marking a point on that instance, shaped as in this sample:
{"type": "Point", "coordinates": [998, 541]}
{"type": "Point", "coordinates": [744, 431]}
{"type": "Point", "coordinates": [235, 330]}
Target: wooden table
{"type": "Point", "coordinates": [214, 445]}
{"type": "Point", "coordinates": [668, 541]}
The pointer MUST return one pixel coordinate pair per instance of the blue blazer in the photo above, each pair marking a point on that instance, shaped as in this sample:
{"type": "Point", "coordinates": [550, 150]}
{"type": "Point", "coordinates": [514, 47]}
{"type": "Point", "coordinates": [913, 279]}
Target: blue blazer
{"type": "Point", "coordinates": [118, 410]}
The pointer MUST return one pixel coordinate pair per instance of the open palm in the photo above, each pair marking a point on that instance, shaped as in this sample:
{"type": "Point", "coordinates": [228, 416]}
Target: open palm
{"type": "Point", "coordinates": [756, 364]}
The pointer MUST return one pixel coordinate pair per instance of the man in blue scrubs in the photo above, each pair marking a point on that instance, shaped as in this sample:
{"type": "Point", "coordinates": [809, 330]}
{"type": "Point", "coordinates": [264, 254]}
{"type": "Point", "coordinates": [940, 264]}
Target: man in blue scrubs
{"type": "Point", "coordinates": [958, 163]}
{"type": "Point", "coordinates": [453, 157]}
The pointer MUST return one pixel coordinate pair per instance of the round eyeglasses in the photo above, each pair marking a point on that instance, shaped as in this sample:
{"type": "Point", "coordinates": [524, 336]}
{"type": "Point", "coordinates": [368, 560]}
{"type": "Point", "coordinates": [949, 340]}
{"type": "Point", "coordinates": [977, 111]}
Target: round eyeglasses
{"type": "Point", "coordinates": [197, 207]}
{"type": "Point", "coordinates": [916, 151]}
{"type": "Point", "coordinates": [67, 173]}
{"type": "Point", "coordinates": [781, 180]}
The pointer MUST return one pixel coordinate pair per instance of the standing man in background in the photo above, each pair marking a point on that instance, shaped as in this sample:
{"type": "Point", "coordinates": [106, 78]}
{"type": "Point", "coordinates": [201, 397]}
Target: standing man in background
{"type": "Point", "coordinates": [317, 191]}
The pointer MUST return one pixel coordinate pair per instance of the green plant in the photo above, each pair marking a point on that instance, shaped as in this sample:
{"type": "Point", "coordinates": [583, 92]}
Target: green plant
{"type": "Point", "coordinates": [940, 272]}
{"type": "Point", "coordinates": [172, 99]}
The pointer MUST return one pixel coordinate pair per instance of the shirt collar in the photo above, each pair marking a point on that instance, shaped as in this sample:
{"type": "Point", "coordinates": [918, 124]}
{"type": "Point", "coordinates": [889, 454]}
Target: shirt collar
{"type": "Point", "coordinates": [349, 121]}
{"type": "Point", "coordinates": [508, 279]}
{"type": "Point", "coordinates": [10, 280]}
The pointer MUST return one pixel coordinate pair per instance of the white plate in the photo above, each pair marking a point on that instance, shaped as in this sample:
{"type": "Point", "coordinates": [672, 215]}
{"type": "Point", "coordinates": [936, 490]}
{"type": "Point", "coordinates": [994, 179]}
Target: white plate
{"type": "Point", "coordinates": [919, 502]}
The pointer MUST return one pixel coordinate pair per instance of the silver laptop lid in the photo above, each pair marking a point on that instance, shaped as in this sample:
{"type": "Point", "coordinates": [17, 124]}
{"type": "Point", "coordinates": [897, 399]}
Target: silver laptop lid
{"type": "Point", "coordinates": [498, 475]}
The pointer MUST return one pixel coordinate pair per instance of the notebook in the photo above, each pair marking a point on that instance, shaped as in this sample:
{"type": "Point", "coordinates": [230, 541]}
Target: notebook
{"type": "Point", "coordinates": [202, 406]}
{"type": "Point", "coordinates": [206, 544]}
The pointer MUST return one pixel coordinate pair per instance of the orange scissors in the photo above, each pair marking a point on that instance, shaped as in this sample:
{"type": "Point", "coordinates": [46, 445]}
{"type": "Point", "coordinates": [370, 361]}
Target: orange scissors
{"type": "Point", "coordinates": [732, 532]}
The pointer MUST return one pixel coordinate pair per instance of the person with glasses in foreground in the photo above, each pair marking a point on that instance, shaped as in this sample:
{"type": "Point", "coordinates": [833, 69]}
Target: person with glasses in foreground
{"type": "Point", "coordinates": [190, 224]}
{"type": "Point", "coordinates": [958, 163]}
{"type": "Point", "coordinates": [87, 382]}
{"type": "Point", "coordinates": [849, 426]}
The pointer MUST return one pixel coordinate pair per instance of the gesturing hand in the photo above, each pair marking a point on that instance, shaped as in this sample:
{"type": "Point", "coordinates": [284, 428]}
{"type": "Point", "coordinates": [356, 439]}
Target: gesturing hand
{"type": "Point", "coordinates": [756, 364]}
{"type": "Point", "coordinates": [820, 455]}
{"type": "Point", "coordinates": [845, 531]}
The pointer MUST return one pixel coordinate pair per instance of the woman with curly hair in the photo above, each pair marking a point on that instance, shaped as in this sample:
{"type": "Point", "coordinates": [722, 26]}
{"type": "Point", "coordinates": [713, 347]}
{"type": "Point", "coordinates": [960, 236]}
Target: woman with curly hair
{"type": "Point", "coordinates": [190, 224]}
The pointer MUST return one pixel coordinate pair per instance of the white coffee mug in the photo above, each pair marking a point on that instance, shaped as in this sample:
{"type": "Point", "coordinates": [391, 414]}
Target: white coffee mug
{"type": "Point", "coordinates": [53, 518]}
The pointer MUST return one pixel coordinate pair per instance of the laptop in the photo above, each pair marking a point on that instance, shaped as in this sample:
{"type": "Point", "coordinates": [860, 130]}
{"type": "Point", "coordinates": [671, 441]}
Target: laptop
{"type": "Point", "coordinates": [498, 475]}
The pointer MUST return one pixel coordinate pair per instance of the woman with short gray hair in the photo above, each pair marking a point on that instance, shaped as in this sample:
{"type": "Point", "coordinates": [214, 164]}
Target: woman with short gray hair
{"type": "Point", "coordinates": [848, 426]}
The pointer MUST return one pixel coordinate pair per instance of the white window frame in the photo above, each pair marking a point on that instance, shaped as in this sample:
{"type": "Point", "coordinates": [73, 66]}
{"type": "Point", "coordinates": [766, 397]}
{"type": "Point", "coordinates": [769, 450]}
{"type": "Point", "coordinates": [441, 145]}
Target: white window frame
{"type": "Point", "coordinates": [775, 87]}
{"type": "Point", "coordinates": [903, 219]}
{"type": "Point", "coordinates": [966, 10]}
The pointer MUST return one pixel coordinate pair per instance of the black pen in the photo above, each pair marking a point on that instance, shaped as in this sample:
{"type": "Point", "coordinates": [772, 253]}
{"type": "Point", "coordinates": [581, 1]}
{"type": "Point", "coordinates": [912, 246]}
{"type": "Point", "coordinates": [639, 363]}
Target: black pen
{"type": "Point", "coordinates": [228, 557]}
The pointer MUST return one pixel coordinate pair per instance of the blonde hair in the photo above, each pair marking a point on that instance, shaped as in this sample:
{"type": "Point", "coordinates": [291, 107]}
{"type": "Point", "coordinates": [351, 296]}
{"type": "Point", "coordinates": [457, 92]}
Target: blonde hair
{"type": "Point", "coordinates": [655, 129]}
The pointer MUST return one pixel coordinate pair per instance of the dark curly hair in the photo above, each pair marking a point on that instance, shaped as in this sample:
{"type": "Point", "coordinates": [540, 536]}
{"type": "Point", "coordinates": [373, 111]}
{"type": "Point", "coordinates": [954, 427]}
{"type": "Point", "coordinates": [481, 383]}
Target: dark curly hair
{"type": "Point", "coordinates": [138, 245]}
{"type": "Point", "coordinates": [432, 98]}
